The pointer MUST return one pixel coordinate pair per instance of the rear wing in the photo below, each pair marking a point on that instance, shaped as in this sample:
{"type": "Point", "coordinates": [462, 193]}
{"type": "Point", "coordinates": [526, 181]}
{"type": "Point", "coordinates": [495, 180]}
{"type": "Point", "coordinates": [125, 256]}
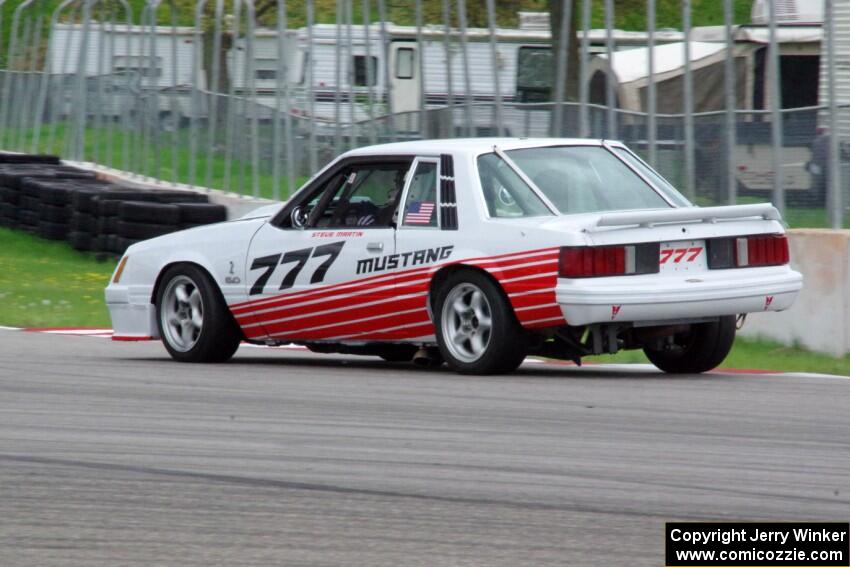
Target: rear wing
{"type": "Point", "coordinates": [655, 217]}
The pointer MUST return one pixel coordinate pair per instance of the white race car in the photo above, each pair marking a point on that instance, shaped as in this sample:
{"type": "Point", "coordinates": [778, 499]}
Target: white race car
{"type": "Point", "coordinates": [475, 252]}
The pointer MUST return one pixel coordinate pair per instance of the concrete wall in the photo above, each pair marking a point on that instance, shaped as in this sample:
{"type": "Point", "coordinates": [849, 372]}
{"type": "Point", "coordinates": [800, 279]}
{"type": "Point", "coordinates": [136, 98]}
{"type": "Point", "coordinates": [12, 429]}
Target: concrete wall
{"type": "Point", "coordinates": [820, 318]}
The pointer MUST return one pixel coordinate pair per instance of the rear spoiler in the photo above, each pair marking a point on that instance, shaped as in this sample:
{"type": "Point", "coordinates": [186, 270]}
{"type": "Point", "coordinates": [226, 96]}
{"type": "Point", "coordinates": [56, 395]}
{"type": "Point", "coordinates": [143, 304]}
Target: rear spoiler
{"type": "Point", "coordinates": [651, 218]}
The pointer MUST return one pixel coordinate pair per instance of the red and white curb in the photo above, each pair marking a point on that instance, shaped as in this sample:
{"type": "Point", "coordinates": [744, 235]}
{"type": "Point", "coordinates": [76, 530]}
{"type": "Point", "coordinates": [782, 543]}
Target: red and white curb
{"type": "Point", "coordinates": [107, 334]}
{"type": "Point", "coordinates": [634, 367]}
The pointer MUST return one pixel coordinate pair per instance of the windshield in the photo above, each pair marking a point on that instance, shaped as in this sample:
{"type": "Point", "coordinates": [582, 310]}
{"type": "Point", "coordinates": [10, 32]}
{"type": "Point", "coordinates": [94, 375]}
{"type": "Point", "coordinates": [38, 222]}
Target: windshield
{"type": "Point", "coordinates": [584, 179]}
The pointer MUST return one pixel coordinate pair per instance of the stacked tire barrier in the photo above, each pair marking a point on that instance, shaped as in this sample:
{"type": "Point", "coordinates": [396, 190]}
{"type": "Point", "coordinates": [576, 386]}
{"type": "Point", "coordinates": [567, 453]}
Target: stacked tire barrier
{"type": "Point", "coordinates": [61, 202]}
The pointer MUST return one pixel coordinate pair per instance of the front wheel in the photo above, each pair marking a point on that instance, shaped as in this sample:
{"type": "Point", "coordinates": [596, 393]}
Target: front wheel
{"type": "Point", "coordinates": [193, 319]}
{"type": "Point", "coordinates": [700, 349]}
{"type": "Point", "coordinates": [476, 328]}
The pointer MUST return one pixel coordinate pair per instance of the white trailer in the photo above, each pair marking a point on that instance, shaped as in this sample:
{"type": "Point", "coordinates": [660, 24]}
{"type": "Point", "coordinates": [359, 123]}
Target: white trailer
{"type": "Point", "coordinates": [349, 67]}
{"type": "Point", "coordinates": [130, 68]}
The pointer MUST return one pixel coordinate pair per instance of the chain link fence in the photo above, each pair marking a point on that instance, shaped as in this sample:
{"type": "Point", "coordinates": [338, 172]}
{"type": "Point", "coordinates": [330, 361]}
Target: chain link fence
{"type": "Point", "coordinates": [225, 101]}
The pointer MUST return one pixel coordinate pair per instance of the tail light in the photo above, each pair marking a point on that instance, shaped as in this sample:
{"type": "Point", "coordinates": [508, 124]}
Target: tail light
{"type": "Point", "coordinates": [748, 251]}
{"type": "Point", "coordinates": [600, 261]}
{"type": "Point", "coordinates": [762, 250]}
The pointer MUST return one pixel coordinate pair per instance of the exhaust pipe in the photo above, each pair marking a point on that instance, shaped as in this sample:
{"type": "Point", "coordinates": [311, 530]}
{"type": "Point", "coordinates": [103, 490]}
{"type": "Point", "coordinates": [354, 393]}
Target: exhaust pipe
{"type": "Point", "coordinates": [427, 357]}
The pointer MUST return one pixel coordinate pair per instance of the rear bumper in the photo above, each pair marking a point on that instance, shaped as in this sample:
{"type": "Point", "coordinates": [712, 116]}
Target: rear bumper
{"type": "Point", "coordinates": [133, 315]}
{"type": "Point", "coordinates": [654, 297]}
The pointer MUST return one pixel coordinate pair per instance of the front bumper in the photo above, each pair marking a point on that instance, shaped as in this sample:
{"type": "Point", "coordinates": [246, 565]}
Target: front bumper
{"type": "Point", "coordinates": [655, 297]}
{"type": "Point", "coordinates": [133, 315]}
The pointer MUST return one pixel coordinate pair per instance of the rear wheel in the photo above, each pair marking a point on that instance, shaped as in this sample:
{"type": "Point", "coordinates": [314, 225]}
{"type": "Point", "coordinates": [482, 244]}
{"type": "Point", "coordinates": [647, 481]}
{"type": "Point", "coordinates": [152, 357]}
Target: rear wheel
{"type": "Point", "coordinates": [476, 328]}
{"type": "Point", "coordinates": [193, 319]}
{"type": "Point", "coordinates": [700, 349]}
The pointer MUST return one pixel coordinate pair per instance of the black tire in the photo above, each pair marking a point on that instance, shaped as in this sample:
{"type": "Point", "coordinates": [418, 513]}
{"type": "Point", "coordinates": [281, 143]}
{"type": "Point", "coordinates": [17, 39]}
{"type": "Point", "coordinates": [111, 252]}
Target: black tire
{"type": "Point", "coordinates": [505, 342]}
{"type": "Point", "coordinates": [202, 213]}
{"type": "Point", "coordinates": [9, 196]}
{"type": "Point", "coordinates": [52, 230]}
{"type": "Point", "coordinates": [154, 213]}
{"type": "Point", "coordinates": [83, 222]}
{"type": "Point", "coordinates": [59, 195]}
{"type": "Point", "coordinates": [699, 350]}
{"type": "Point", "coordinates": [99, 243]}
{"type": "Point", "coordinates": [30, 203]}
{"type": "Point", "coordinates": [108, 207]}
{"type": "Point", "coordinates": [218, 337]}
{"type": "Point", "coordinates": [80, 240]}
{"type": "Point", "coordinates": [55, 213]}
{"type": "Point", "coordinates": [177, 197]}
{"type": "Point", "coordinates": [142, 231]}
{"type": "Point", "coordinates": [120, 244]}
{"type": "Point", "coordinates": [28, 158]}
{"type": "Point", "coordinates": [9, 210]}
{"type": "Point", "coordinates": [28, 218]}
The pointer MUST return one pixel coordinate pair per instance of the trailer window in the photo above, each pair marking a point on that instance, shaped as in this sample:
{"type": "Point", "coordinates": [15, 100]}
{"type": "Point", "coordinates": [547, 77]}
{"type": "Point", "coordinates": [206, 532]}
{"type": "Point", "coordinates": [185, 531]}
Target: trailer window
{"type": "Point", "coordinates": [137, 64]}
{"type": "Point", "coordinates": [404, 63]}
{"type": "Point", "coordinates": [365, 71]}
{"type": "Point", "coordinates": [534, 74]}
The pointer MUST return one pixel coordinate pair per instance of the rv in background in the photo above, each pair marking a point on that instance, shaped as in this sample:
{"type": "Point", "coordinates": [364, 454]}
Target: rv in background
{"type": "Point", "coordinates": [800, 38]}
{"type": "Point", "coordinates": [138, 69]}
{"type": "Point", "coordinates": [151, 71]}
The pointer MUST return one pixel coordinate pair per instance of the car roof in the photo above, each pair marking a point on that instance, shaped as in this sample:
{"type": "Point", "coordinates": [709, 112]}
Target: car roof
{"type": "Point", "coordinates": [468, 146]}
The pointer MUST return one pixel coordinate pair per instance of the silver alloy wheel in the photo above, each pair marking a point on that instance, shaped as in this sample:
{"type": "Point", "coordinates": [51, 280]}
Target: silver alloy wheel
{"type": "Point", "coordinates": [182, 313]}
{"type": "Point", "coordinates": [467, 322]}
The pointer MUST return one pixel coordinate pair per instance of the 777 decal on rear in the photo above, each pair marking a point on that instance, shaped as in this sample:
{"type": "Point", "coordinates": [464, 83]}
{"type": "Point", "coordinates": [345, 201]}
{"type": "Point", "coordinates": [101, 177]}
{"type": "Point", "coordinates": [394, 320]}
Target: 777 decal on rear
{"type": "Point", "coordinates": [680, 254]}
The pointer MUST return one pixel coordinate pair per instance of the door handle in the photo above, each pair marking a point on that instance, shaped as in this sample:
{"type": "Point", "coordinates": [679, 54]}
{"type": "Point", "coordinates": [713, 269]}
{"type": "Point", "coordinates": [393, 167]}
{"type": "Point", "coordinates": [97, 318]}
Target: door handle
{"type": "Point", "coordinates": [375, 247]}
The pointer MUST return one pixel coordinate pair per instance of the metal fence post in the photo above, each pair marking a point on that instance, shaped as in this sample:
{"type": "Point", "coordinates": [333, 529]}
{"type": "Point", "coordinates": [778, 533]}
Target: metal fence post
{"type": "Point", "coordinates": [213, 88]}
{"type": "Point", "coordinates": [385, 50]}
{"type": "Point", "coordinates": [651, 101]}
{"type": "Point", "coordinates": [447, 48]}
{"type": "Point", "coordinates": [583, 79]}
{"type": "Point", "coordinates": [311, 101]}
{"type": "Point", "coordinates": [337, 77]}
{"type": "Point", "coordinates": [197, 64]}
{"type": "Point", "coordinates": [775, 112]}
{"type": "Point", "coordinates": [467, 107]}
{"type": "Point", "coordinates": [610, 93]}
{"type": "Point", "coordinates": [561, 63]}
{"type": "Point", "coordinates": [494, 58]}
{"type": "Point", "coordinates": [731, 102]}
{"type": "Point", "coordinates": [833, 174]}
{"type": "Point", "coordinates": [690, 169]}
{"type": "Point", "coordinates": [421, 68]}
{"type": "Point", "coordinates": [371, 71]}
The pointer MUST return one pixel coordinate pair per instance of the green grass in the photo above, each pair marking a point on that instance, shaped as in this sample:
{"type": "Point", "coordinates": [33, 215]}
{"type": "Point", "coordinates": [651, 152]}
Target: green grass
{"type": "Point", "coordinates": [48, 284]}
{"type": "Point", "coordinates": [758, 355]}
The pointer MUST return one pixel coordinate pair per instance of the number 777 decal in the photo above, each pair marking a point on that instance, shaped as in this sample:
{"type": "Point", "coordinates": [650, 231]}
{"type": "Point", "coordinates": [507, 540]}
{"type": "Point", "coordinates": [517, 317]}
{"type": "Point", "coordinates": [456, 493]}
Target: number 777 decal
{"type": "Point", "coordinates": [299, 258]}
{"type": "Point", "coordinates": [679, 254]}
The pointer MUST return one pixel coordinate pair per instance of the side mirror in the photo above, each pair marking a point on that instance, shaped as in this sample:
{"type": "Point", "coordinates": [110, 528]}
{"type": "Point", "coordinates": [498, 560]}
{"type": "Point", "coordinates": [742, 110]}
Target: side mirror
{"type": "Point", "coordinates": [298, 217]}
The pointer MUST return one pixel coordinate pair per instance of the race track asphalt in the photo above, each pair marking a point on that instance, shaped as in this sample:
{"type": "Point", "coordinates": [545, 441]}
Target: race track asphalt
{"type": "Point", "coordinates": [111, 454]}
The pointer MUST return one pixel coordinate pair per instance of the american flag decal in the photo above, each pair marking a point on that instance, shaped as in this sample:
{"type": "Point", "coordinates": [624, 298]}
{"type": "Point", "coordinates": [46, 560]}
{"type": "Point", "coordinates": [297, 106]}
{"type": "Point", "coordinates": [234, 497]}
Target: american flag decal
{"type": "Point", "coordinates": [419, 213]}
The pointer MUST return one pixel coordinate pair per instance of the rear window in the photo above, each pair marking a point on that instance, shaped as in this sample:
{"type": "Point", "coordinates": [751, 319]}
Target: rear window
{"type": "Point", "coordinates": [585, 179]}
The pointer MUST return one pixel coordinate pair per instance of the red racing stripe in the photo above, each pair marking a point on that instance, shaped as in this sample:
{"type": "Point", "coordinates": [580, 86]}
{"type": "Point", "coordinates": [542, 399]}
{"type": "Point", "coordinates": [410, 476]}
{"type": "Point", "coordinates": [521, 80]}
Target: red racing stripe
{"type": "Point", "coordinates": [343, 318]}
{"type": "Point", "coordinates": [364, 327]}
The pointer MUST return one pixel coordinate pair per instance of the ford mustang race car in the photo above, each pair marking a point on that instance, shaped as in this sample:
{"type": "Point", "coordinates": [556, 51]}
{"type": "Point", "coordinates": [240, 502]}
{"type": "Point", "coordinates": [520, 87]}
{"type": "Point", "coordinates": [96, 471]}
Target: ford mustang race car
{"type": "Point", "coordinates": [475, 252]}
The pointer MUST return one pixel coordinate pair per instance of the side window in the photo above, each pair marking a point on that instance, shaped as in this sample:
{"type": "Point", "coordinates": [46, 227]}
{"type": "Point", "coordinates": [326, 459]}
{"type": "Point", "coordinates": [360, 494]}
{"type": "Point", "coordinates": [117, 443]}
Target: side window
{"type": "Point", "coordinates": [367, 198]}
{"type": "Point", "coordinates": [404, 63]}
{"type": "Point", "coordinates": [505, 192]}
{"type": "Point", "coordinates": [420, 207]}
{"type": "Point", "coordinates": [365, 71]}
